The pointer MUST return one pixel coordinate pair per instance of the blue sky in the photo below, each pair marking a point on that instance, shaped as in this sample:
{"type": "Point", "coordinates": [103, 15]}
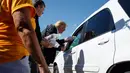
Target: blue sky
{"type": "Point", "coordinates": [73, 12]}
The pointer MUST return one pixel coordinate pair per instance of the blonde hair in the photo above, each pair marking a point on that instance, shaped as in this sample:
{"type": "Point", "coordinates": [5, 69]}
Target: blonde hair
{"type": "Point", "coordinates": [60, 23]}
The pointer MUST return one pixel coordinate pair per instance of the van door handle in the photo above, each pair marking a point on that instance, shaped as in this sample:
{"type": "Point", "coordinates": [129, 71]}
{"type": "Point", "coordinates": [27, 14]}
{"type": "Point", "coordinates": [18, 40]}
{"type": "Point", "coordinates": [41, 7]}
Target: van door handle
{"type": "Point", "coordinates": [72, 53]}
{"type": "Point", "coordinates": [103, 42]}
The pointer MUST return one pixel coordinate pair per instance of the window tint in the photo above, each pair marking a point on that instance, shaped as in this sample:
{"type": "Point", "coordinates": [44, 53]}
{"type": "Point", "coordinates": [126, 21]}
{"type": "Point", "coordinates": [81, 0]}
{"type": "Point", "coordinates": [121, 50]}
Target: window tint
{"type": "Point", "coordinates": [100, 23]}
{"type": "Point", "coordinates": [76, 41]}
{"type": "Point", "coordinates": [77, 38]}
{"type": "Point", "coordinates": [125, 5]}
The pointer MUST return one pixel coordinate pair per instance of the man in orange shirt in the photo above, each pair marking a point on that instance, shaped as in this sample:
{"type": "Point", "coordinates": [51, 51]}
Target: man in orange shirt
{"type": "Point", "coordinates": [18, 38]}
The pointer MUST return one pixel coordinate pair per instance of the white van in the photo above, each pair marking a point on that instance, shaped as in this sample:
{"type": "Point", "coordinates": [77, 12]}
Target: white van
{"type": "Point", "coordinates": [102, 43]}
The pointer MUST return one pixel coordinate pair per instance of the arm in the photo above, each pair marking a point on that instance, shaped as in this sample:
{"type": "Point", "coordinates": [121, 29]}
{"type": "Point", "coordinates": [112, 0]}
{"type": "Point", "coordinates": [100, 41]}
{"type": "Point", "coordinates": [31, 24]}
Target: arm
{"type": "Point", "coordinates": [50, 29]}
{"type": "Point", "coordinates": [37, 30]}
{"type": "Point", "coordinates": [62, 42]}
{"type": "Point", "coordinates": [24, 28]}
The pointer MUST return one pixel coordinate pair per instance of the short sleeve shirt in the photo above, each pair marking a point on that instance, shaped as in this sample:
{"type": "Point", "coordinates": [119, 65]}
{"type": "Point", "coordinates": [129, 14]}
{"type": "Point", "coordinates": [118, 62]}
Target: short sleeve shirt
{"type": "Point", "coordinates": [11, 46]}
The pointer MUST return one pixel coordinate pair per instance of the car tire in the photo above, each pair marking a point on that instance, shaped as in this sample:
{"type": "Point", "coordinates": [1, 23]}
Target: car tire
{"type": "Point", "coordinates": [126, 70]}
{"type": "Point", "coordinates": [120, 68]}
{"type": "Point", "coordinates": [56, 70]}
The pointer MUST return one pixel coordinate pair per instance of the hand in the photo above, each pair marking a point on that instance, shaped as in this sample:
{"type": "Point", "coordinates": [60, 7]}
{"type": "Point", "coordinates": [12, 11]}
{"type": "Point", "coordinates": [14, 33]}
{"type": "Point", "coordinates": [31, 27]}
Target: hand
{"type": "Point", "coordinates": [42, 71]}
{"type": "Point", "coordinates": [45, 43]}
{"type": "Point", "coordinates": [63, 48]}
{"type": "Point", "coordinates": [69, 39]}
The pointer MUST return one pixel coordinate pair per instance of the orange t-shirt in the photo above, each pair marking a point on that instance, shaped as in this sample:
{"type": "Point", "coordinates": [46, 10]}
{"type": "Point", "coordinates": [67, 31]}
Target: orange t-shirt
{"type": "Point", "coordinates": [11, 46]}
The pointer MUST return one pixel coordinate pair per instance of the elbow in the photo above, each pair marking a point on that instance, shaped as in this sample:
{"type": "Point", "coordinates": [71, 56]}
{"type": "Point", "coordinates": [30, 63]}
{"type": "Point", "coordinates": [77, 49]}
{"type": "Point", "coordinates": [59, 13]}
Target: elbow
{"type": "Point", "coordinates": [25, 28]}
{"type": "Point", "coordinates": [27, 38]}
{"type": "Point", "coordinates": [26, 33]}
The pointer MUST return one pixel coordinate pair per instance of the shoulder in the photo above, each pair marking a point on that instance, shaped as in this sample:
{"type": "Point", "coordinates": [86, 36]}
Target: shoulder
{"type": "Point", "coordinates": [19, 4]}
{"type": "Point", "coordinates": [50, 26]}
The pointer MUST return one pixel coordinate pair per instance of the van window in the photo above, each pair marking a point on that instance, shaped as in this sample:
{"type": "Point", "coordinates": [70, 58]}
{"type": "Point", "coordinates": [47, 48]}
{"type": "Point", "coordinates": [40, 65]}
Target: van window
{"type": "Point", "coordinates": [99, 24]}
{"type": "Point", "coordinates": [125, 5]}
{"type": "Point", "coordinates": [77, 38]}
{"type": "Point", "coordinates": [75, 41]}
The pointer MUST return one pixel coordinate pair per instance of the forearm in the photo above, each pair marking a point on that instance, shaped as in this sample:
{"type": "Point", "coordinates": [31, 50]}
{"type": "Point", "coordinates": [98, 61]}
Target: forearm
{"type": "Point", "coordinates": [28, 36]}
{"type": "Point", "coordinates": [30, 41]}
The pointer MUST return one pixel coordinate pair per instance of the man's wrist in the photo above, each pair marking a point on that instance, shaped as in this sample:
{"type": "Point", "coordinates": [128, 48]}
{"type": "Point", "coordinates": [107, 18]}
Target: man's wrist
{"type": "Point", "coordinates": [39, 65]}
